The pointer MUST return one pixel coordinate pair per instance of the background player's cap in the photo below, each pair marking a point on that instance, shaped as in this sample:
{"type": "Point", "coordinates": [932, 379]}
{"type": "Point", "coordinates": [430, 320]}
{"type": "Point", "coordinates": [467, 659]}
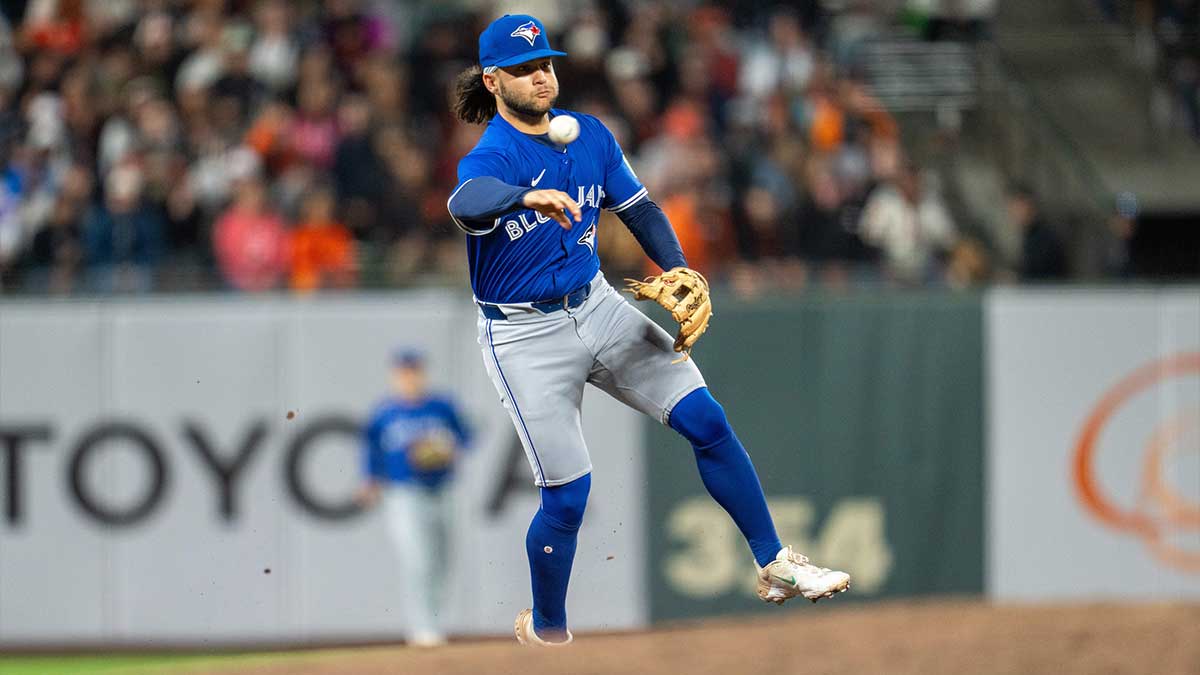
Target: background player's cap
{"type": "Point", "coordinates": [513, 39]}
{"type": "Point", "coordinates": [407, 357]}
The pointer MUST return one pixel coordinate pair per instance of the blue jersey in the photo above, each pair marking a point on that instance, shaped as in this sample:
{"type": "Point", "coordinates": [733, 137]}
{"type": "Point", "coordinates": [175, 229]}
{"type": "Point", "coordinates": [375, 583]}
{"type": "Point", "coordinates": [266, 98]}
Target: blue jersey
{"type": "Point", "coordinates": [413, 441]}
{"type": "Point", "coordinates": [524, 256]}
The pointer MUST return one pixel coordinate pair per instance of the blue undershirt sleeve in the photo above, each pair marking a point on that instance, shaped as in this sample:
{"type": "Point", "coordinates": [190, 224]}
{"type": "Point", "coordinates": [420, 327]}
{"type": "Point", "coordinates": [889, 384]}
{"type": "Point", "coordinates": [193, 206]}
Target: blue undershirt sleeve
{"type": "Point", "coordinates": [653, 231]}
{"type": "Point", "coordinates": [479, 201]}
{"type": "Point", "coordinates": [373, 463]}
{"type": "Point", "coordinates": [462, 433]}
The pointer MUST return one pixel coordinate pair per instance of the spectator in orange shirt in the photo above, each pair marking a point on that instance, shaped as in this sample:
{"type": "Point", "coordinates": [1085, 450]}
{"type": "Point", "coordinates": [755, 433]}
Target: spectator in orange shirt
{"type": "Point", "coordinates": [60, 27]}
{"type": "Point", "coordinates": [251, 240]}
{"type": "Point", "coordinates": [824, 117]}
{"type": "Point", "coordinates": [322, 248]}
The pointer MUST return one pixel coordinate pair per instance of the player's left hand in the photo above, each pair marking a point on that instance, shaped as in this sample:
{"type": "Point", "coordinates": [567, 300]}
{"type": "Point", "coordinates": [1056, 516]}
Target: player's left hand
{"type": "Point", "coordinates": [684, 293]}
{"type": "Point", "coordinates": [554, 203]}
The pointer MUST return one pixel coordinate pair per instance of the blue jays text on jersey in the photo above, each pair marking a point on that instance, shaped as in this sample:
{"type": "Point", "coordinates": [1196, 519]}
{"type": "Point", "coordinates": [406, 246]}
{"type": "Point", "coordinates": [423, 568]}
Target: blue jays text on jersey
{"type": "Point", "coordinates": [517, 226]}
{"type": "Point", "coordinates": [396, 427]}
{"type": "Point", "coordinates": [523, 256]}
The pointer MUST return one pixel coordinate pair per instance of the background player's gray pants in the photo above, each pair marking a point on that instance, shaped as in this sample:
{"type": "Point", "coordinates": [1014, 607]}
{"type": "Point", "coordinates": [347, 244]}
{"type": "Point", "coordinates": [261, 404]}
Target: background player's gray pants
{"type": "Point", "coordinates": [418, 525]}
{"type": "Point", "coordinates": [540, 363]}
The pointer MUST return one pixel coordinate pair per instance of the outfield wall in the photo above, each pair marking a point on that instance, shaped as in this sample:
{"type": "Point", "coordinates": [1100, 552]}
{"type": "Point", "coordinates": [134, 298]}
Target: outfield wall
{"type": "Point", "coordinates": [864, 418]}
{"type": "Point", "coordinates": [1094, 440]}
{"type": "Point", "coordinates": [118, 421]}
{"type": "Point", "coordinates": [1024, 444]}
{"type": "Point", "coordinates": [1028, 444]}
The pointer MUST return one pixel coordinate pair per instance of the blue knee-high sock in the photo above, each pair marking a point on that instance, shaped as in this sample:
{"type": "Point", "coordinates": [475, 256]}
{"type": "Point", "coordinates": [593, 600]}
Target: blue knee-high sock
{"type": "Point", "coordinates": [550, 545]}
{"type": "Point", "coordinates": [726, 470]}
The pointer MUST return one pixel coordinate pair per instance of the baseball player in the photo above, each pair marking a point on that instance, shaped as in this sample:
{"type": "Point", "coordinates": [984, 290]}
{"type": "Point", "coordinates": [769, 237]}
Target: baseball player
{"type": "Point", "coordinates": [528, 197]}
{"type": "Point", "coordinates": [410, 445]}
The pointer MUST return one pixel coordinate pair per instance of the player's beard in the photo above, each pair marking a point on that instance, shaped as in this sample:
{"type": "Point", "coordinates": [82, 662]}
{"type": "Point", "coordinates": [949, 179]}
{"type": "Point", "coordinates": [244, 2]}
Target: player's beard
{"type": "Point", "coordinates": [529, 107]}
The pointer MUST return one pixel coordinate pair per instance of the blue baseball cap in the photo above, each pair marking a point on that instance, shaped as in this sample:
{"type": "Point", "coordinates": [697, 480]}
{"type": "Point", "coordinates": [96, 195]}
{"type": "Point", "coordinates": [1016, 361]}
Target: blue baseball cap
{"type": "Point", "coordinates": [513, 39]}
{"type": "Point", "coordinates": [408, 357]}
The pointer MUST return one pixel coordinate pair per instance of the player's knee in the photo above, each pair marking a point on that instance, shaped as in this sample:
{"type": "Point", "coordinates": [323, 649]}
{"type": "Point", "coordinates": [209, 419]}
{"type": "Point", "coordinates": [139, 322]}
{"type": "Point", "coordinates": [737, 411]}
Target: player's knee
{"type": "Point", "coordinates": [700, 419]}
{"type": "Point", "coordinates": [566, 503]}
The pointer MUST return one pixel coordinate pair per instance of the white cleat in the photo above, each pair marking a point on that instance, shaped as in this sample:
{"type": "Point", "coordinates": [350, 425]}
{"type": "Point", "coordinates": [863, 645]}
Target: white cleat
{"type": "Point", "coordinates": [526, 636]}
{"type": "Point", "coordinates": [790, 574]}
{"type": "Point", "coordinates": [427, 638]}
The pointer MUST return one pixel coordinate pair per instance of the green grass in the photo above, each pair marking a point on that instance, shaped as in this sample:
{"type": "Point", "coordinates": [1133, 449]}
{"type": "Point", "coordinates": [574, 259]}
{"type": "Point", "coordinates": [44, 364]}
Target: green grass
{"type": "Point", "coordinates": [129, 664]}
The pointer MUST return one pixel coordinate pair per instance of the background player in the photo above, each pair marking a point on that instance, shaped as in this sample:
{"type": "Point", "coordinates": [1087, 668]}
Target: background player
{"type": "Point", "coordinates": [411, 444]}
{"type": "Point", "coordinates": [549, 322]}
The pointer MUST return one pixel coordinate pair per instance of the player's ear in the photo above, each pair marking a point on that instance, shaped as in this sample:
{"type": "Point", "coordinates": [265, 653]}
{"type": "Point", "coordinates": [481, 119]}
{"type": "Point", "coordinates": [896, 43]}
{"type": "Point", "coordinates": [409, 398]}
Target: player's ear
{"type": "Point", "coordinates": [489, 82]}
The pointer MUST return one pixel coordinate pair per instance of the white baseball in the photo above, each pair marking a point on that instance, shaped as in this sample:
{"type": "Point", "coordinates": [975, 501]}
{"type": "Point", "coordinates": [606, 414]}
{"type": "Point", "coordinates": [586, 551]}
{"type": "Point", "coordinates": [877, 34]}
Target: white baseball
{"type": "Point", "coordinates": [564, 129]}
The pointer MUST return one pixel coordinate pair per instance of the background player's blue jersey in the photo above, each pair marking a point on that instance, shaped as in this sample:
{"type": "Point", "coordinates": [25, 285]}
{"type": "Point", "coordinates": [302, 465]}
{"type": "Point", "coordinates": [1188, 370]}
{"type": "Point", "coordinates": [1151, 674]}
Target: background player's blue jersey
{"type": "Point", "coordinates": [397, 429]}
{"type": "Point", "coordinates": [523, 256]}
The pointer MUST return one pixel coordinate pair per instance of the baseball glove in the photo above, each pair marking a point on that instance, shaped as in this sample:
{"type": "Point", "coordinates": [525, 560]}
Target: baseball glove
{"type": "Point", "coordinates": [433, 452]}
{"type": "Point", "coordinates": [684, 293]}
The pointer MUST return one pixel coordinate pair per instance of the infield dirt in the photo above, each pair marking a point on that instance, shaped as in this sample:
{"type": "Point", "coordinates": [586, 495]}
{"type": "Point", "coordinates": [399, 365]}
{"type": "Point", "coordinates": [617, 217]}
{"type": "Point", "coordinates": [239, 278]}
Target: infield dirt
{"type": "Point", "coordinates": [926, 637]}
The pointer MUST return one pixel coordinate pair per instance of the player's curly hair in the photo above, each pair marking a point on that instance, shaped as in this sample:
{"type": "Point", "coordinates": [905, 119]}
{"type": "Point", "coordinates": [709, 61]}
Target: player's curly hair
{"type": "Point", "coordinates": [473, 103]}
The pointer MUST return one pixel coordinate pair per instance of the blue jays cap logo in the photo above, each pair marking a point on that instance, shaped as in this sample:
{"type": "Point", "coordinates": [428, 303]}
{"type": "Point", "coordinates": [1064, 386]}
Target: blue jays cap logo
{"type": "Point", "coordinates": [497, 48]}
{"type": "Point", "coordinates": [527, 30]}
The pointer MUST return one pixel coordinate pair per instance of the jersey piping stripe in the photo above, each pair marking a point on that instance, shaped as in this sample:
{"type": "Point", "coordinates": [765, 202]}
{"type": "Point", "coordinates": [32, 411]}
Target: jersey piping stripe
{"type": "Point", "coordinates": [628, 202]}
{"type": "Point", "coordinates": [504, 381]}
{"type": "Point", "coordinates": [459, 223]}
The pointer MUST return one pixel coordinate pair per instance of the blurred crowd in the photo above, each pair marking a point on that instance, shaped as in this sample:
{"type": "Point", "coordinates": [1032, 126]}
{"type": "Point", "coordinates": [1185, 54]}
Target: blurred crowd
{"type": "Point", "coordinates": [1168, 33]}
{"type": "Point", "coordinates": [260, 144]}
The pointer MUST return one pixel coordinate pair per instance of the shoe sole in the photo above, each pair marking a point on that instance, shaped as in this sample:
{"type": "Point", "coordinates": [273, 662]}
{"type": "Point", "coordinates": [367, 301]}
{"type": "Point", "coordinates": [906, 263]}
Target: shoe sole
{"type": "Point", "coordinates": [840, 588]}
{"type": "Point", "coordinates": [814, 597]}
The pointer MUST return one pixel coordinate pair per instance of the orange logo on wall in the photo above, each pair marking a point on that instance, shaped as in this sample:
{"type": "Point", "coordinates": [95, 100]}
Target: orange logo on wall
{"type": "Point", "coordinates": [1159, 511]}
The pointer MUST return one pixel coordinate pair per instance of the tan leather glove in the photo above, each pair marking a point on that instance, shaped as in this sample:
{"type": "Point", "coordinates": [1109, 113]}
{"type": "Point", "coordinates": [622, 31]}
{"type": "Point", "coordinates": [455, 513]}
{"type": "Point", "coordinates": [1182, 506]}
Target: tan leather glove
{"type": "Point", "coordinates": [684, 293]}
